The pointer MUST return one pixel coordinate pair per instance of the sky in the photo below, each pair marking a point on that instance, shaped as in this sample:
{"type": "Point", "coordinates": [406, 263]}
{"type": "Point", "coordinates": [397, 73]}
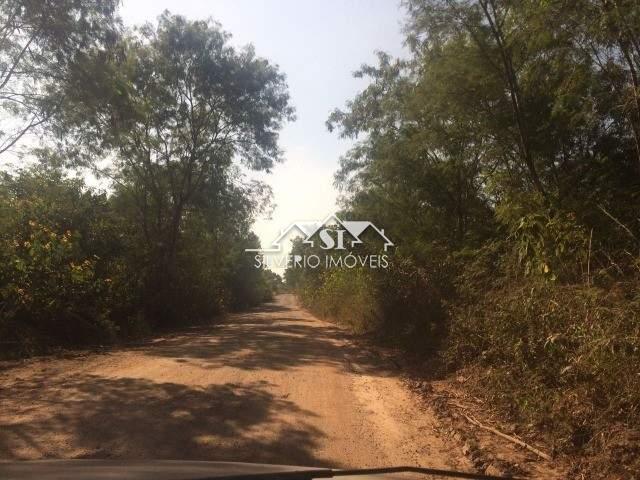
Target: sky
{"type": "Point", "coordinates": [318, 44]}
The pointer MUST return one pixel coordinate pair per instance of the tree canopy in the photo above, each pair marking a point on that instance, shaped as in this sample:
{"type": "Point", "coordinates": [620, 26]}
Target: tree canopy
{"type": "Point", "coordinates": [169, 115]}
{"type": "Point", "coordinates": [42, 44]}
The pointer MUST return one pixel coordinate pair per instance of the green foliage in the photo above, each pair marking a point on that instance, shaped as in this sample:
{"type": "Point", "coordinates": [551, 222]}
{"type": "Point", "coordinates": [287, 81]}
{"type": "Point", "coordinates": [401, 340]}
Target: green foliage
{"type": "Point", "coordinates": [42, 47]}
{"type": "Point", "coordinates": [401, 304]}
{"type": "Point", "coordinates": [547, 243]}
{"type": "Point", "coordinates": [55, 287]}
{"type": "Point", "coordinates": [193, 106]}
{"type": "Point", "coordinates": [75, 266]}
{"type": "Point", "coordinates": [166, 115]}
{"type": "Point", "coordinates": [503, 158]}
{"type": "Point", "coordinates": [346, 296]}
{"type": "Point", "coordinates": [563, 358]}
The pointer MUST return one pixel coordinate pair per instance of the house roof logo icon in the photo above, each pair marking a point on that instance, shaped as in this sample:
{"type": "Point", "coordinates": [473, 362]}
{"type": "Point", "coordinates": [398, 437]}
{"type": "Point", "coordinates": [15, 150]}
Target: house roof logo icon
{"type": "Point", "coordinates": [309, 229]}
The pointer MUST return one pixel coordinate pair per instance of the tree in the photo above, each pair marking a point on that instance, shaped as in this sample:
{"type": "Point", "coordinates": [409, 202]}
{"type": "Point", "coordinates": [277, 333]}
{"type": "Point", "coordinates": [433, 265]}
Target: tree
{"type": "Point", "coordinates": [607, 33]}
{"type": "Point", "coordinates": [182, 108]}
{"type": "Point", "coordinates": [174, 116]}
{"type": "Point", "coordinates": [41, 44]}
{"type": "Point", "coordinates": [492, 26]}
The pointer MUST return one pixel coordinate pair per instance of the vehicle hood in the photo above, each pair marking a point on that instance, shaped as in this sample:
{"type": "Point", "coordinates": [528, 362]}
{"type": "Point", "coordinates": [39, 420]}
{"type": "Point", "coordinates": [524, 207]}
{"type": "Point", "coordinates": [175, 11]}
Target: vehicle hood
{"type": "Point", "coordinates": [147, 470]}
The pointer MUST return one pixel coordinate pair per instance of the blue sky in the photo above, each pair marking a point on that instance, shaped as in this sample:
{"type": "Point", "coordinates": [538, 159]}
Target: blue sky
{"type": "Point", "coordinates": [318, 44]}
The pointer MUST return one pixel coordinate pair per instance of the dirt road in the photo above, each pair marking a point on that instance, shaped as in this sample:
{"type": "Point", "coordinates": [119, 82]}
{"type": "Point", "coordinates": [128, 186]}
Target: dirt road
{"type": "Point", "coordinates": [274, 385]}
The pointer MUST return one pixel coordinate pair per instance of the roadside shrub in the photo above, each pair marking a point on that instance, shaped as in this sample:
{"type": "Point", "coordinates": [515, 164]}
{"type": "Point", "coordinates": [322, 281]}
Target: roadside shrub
{"type": "Point", "coordinates": [548, 243]}
{"type": "Point", "coordinates": [51, 290]}
{"type": "Point", "coordinates": [400, 305]}
{"type": "Point", "coordinates": [347, 296]}
{"type": "Point", "coordinates": [76, 266]}
{"type": "Point", "coordinates": [563, 358]}
{"type": "Point", "coordinates": [60, 271]}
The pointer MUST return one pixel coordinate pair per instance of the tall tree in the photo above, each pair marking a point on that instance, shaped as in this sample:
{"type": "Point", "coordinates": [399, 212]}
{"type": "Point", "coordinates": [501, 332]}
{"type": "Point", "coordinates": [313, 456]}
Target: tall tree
{"type": "Point", "coordinates": [184, 108]}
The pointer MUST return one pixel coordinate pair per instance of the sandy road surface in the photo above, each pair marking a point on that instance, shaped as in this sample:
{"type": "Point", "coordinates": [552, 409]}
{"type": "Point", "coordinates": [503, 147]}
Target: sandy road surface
{"type": "Point", "coordinates": [274, 385]}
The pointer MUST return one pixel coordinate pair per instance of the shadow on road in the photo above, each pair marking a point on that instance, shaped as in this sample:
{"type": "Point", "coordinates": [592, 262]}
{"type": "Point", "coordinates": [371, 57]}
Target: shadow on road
{"type": "Point", "coordinates": [91, 415]}
{"type": "Point", "coordinates": [274, 336]}
{"type": "Point", "coordinates": [133, 418]}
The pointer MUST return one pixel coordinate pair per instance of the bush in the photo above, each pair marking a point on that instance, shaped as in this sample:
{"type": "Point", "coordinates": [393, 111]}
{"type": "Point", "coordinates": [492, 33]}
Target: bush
{"type": "Point", "coordinates": [75, 269]}
{"type": "Point", "coordinates": [564, 358]}
{"type": "Point", "coordinates": [64, 276]}
{"type": "Point", "coordinates": [348, 296]}
{"type": "Point", "coordinates": [400, 304]}
{"type": "Point", "coordinates": [51, 289]}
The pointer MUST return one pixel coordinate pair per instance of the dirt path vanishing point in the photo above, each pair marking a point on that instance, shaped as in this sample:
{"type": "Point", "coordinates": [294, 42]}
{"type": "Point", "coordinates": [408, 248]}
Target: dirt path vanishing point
{"type": "Point", "coordinates": [273, 385]}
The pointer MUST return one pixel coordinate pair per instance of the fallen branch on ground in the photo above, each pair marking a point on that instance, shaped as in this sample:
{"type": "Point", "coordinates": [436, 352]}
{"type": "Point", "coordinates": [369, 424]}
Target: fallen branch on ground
{"type": "Point", "coordinates": [505, 436]}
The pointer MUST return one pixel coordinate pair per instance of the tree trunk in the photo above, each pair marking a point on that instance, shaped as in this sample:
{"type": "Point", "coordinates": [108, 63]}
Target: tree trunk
{"type": "Point", "coordinates": [514, 94]}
